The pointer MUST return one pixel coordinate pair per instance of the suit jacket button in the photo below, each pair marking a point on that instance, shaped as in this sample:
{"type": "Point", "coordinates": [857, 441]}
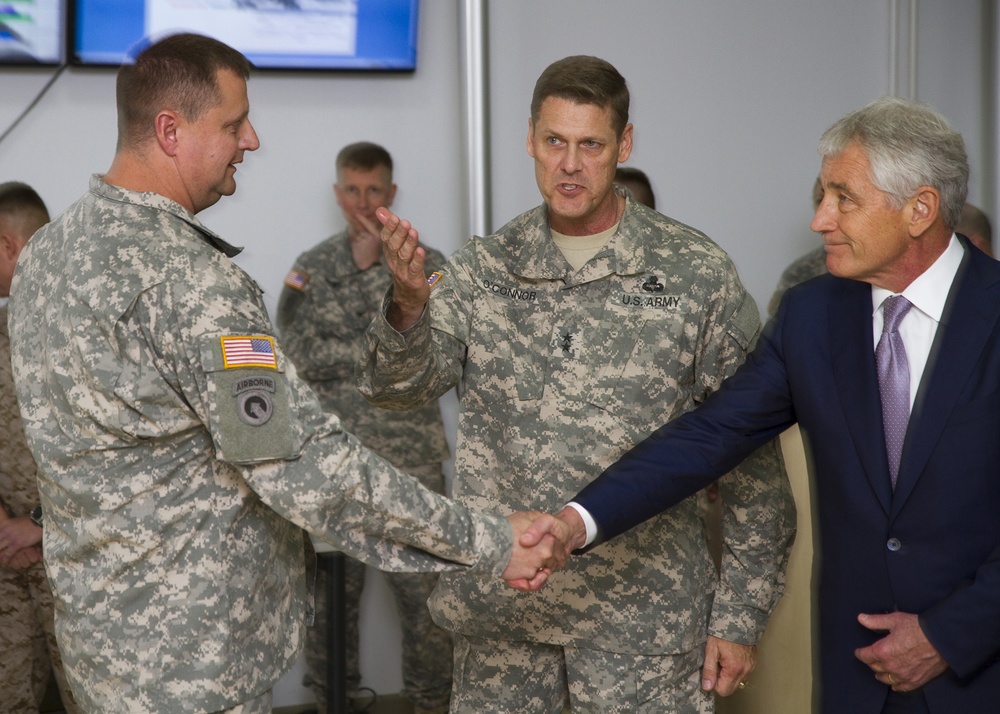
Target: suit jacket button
{"type": "Point", "coordinates": [893, 544]}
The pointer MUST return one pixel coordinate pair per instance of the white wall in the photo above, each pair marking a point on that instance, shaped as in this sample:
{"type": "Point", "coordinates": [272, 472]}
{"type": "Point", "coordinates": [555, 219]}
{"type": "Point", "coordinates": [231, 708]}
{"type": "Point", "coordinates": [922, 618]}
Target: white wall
{"type": "Point", "coordinates": [729, 99]}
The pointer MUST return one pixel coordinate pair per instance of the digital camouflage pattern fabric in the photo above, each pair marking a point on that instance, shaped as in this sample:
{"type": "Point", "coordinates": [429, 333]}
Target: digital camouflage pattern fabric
{"type": "Point", "coordinates": [802, 269]}
{"type": "Point", "coordinates": [559, 373]}
{"type": "Point", "coordinates": [179, 455]}
{"type": "Point", "coordinates": [322, 324]}
{"type": "Point", "coordinates": [28, 650]}
{"type": "Point", "coordinates": [325, 306]}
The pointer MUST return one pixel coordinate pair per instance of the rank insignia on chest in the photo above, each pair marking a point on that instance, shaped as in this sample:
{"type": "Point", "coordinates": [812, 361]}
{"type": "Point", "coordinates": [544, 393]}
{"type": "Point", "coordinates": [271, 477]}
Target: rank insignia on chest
{"type": "Point", "coordinates": [296, 279]}
{"type": "Point", "coordinates": [434, 278]}
{"type": "Point", "coordinates": [248, 351]}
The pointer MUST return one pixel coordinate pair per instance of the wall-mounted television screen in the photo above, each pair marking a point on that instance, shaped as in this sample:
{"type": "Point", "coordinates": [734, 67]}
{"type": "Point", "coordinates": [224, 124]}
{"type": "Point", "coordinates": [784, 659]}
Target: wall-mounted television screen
{"type": "Point", "coordinates": [32, 31]}
{"type": "Point", "coordinates": [273, 34]}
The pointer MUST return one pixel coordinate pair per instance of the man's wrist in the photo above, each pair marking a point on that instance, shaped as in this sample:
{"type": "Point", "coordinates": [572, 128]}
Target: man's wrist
{"type": "Point", "coordinates": [36, 516]}
{"type": "Point", "coordinates": [401, 318]}
{"type": "Point", "coordinates": [581, 533]}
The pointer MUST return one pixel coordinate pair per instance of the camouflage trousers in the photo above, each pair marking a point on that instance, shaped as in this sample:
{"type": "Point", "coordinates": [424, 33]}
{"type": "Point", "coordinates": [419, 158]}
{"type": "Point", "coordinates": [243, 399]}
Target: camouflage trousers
{"type": "Point", "coordinates": [28, 651]}
{"type": "Point", "coordinates": [427, 649]}
{"type": "Point", "coordinates": [502, 677]}
{"type": "Point", "coordinates": [261, 704]}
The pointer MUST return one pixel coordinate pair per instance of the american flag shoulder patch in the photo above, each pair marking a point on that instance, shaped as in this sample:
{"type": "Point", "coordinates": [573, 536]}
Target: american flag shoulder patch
{"type": "Point", "coordinates": [248, 351]}
{"type": "Point", "coordinates": [434, 277]}
{"type": "Point", "coordinates": [296, 279]}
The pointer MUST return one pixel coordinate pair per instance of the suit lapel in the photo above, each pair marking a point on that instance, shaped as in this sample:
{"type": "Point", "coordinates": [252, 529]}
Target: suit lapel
{"type": "Point", "coordinates": [853, 357]}
{"type": "Point", "coordinates": [969, 318]}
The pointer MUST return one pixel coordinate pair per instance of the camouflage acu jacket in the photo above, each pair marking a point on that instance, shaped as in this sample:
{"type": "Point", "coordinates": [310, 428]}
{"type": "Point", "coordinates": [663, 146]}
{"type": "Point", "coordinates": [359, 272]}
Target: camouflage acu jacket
{"type": "Point", "coordinates": [178, 455]}
{"type": "Point", "coordinates": [801, 269]}
{"type": "Point", "coordinates": [18, 492]}
{"type": "Point", "coordinates": [325, 306]}
{"type": "Point", "coordinates": [559, 373]}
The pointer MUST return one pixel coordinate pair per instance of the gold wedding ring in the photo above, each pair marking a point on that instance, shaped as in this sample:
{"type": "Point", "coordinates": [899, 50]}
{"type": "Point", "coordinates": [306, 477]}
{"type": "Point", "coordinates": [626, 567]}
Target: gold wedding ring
{"type": "Point", "coordinates": [892, 682]}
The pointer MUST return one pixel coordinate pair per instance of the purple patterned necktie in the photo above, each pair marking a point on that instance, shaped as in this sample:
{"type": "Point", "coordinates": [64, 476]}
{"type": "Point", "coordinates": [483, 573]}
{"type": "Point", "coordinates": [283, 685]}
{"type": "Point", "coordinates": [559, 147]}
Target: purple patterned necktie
{"type": "Point", "coordinates": [893, 380]}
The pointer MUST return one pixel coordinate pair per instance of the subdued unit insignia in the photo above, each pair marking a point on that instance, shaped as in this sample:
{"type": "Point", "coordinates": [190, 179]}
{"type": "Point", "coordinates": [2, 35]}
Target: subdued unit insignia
{"type": "Point", "coordinates": [434, 277]}
{"type": "Point", "coordinates": [296, 279]}
{"type": "Point", "coordinates": [248, 351]}
{"type": "Point", "coordinates": [254, 408]}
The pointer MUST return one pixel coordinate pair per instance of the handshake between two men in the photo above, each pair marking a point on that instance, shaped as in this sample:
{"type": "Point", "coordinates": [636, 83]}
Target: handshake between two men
{"type": "Point", "coordinates": [542, 544]}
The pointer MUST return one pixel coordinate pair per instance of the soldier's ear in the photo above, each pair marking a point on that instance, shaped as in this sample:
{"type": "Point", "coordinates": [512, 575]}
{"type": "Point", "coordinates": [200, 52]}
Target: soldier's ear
{"type": "Point", "coordinates": [10, 246]}
{"type": "Point", "coordinates": [168, 131]}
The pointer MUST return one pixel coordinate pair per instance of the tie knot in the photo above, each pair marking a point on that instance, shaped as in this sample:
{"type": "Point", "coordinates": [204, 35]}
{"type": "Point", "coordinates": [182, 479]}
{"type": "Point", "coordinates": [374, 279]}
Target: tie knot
{"type": "Point", "coordinates": [893, 310]}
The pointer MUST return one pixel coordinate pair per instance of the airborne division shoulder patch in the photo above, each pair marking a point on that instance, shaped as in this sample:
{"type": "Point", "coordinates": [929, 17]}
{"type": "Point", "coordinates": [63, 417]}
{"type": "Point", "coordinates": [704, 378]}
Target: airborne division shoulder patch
{"type": "Point", "coordinates": [248, 351]}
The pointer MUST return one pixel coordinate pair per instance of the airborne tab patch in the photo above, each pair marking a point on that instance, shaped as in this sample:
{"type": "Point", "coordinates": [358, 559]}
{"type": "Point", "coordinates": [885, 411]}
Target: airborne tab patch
{"type": "Point", "coordinates": [248, 351]}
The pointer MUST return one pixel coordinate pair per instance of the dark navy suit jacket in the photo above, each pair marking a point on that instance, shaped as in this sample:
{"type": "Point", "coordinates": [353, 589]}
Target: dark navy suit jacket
{"type": "Point", "coordinates": [932, 547]}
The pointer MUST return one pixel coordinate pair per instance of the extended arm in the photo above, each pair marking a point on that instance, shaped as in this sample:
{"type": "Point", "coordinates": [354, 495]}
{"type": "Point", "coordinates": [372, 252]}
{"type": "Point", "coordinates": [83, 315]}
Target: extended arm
{"type": "Point", "coordinates": [751, 408]}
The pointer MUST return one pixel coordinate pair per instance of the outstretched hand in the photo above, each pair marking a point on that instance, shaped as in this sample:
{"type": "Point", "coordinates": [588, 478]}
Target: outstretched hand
{"type": "Point", "coordinates": [531, 565]}
{"type": "Point", "coordinates": [570, 519]}
{"type": "Point", "coordinates": [405, 259]}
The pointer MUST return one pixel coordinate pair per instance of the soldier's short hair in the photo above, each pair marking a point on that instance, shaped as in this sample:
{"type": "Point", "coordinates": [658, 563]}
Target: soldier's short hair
{"type": "Point", "coordinates": [638, 182]}
{"type": "Point", "coordinates": [585, 80]}
{"type": "Point", "coordinates": [178, 72]}
{"type": "Point", "coordinates": [21, 205]}
{"type": "Point", "coordinates": [364, 156]}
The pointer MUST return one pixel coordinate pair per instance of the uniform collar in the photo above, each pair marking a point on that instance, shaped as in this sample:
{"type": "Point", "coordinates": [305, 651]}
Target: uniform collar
{"type": "Point", "coordinates": [157, 202]}
{"type": "Point", "coordinates": [539, 258]}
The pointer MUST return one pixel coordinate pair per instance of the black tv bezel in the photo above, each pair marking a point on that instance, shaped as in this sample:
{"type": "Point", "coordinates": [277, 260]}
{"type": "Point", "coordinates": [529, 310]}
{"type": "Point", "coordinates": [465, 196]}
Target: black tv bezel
{"type": "Point", "coordinates": [63, 45]}
{"type": "Point", "coordinates": [72, 59]}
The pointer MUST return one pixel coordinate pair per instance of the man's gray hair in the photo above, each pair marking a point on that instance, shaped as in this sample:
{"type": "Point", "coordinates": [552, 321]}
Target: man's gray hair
{"type": "Point", "coordinates": [908, 145]}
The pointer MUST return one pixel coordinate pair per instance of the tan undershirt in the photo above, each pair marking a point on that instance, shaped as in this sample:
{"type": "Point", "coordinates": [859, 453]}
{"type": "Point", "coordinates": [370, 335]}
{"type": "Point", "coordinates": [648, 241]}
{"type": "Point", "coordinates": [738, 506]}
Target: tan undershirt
{"type": "Point", "coordinates": [579, 249]}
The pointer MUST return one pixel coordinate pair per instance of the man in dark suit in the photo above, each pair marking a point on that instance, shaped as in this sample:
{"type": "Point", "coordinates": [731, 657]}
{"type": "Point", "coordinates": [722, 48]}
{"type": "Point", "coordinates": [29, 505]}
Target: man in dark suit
{"type": "Point", "coordinates": [909, 528]}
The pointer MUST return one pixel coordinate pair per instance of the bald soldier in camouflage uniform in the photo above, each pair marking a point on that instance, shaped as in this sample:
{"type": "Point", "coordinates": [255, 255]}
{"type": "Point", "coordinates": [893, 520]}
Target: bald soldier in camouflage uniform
{"type": "Point", "coordinates": [330, 296]}
{"type": "Point", "coordinates": [28, 651]}
{"type": "Point", "coordinates": [571, 333]}
{"type": "Point", "coordinates": [179, 453]}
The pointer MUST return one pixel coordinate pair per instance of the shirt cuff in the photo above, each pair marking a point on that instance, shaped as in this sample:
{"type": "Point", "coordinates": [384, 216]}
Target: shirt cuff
{"type": "Point", "coordinates": [588, 521]}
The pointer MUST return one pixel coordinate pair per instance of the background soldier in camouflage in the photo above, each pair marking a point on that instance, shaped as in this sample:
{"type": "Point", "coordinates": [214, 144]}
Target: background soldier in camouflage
{"type": "Point", "coordinates": [571, 333]}
{"type": "Point", "coordinates": [803, 268]}
{"type": "Point", "coordinates": [179, 453]}
{"type": "Point", "coordinates": [28, 651]}
{"type": "Point", "coordinates": [330, 296]}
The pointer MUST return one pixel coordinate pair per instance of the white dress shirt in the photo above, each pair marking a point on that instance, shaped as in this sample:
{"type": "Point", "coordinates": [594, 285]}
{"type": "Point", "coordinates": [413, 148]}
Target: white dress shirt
{"type": "Point", "coordinates": [928, 294]}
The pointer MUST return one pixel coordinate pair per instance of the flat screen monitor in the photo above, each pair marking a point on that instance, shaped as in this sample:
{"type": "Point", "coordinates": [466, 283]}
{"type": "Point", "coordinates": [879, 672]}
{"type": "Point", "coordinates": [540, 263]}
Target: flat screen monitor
{"type": "Point", "coordinates": [32, 32]}
{"type": "Point", "coordinates": [272, 34]}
